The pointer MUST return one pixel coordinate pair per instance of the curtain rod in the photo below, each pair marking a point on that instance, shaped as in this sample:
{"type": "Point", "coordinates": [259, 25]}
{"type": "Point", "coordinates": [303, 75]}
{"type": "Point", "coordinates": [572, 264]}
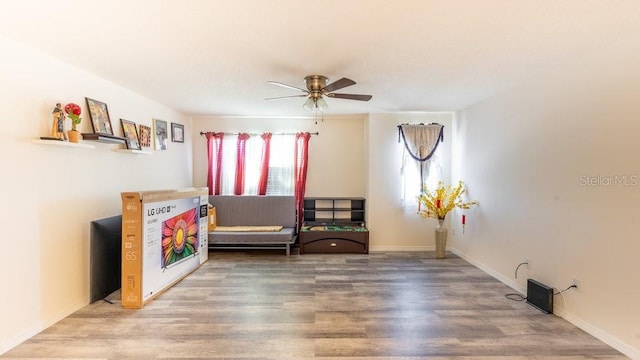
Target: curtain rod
{"type": "Point", "coordinates": [313, 133]}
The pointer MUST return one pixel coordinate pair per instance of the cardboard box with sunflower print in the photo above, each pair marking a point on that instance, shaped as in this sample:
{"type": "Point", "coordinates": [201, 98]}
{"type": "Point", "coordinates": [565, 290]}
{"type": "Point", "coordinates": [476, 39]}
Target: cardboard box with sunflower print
{"type": "Point", "coordinates": [164, 238]}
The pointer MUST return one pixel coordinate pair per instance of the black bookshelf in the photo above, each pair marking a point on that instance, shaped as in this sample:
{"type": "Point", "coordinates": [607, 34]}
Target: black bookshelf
{"type": "Point", "coordinates": [334, 211]}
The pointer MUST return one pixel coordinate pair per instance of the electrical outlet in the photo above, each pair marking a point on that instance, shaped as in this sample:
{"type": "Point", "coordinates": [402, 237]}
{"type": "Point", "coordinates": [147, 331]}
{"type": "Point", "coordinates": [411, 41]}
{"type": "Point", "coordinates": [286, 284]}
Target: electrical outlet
{"type": "Point", "coordinates": [528, 262]}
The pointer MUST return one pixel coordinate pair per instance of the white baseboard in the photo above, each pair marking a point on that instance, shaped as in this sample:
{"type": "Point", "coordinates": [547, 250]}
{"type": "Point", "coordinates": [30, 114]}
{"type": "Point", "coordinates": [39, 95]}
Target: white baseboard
{"type": "Point", "coordinates": [26, 335]}
{"type": "Point", "coordinates": [503, 279]}
{"type": "Point", "coordinates": [599, 334]}
{"type": "Point", "coordinates": [592, 330]}
{"type": "Point", "coordinates": [401, 248]}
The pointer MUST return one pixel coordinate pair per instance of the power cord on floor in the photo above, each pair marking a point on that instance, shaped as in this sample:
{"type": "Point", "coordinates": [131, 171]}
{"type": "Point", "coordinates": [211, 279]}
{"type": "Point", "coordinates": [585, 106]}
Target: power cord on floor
{"type": "Point", "coordinates": [516, 297]}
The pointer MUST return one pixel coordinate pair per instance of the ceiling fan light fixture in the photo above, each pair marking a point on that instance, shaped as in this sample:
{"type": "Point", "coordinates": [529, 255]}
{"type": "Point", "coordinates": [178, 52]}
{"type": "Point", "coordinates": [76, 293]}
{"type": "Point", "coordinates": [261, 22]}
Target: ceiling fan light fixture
{"type": "Point", "coordinates": [310, 104]}
{"type": "Point", "coordinates": [317, 89]}
{"type": "Point", "coordinates": [321, 104]}
{"type": "Point", "coordinates": [315, 104]}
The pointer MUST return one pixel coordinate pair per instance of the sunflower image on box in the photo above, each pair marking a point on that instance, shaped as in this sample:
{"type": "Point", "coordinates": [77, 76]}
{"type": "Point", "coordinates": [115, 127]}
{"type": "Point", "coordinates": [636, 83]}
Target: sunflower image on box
{"type": "Point", "coordinates": [179, 237]}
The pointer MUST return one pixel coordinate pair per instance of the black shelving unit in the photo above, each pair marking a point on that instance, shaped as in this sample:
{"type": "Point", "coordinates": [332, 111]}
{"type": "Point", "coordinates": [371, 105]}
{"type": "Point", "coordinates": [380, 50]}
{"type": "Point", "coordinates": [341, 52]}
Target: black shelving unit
{"type": "Point", "coordinates": [334, 211]}
{"type": "Point", "coordinates": [334, 225]}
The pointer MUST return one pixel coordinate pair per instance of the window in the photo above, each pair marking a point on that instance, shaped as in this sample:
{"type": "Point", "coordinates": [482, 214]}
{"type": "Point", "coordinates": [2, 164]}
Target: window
{"type": "Point", "coordinates": [420, 159]}
{"type": "Point", "coordinates": [280, 180]}
{"type": "Point", "coordinates": [281, 165]}
{"type": "Point", "coordinates": [411, 187]}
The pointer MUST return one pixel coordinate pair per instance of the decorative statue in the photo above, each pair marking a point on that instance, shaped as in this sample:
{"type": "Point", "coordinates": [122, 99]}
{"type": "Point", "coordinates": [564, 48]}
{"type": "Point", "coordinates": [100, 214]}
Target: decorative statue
{"type": "Point", "coordinates": [57, 129]}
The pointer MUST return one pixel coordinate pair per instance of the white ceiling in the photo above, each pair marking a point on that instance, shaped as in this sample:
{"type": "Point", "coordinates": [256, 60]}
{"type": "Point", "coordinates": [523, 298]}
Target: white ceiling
{"type": "Point", "coordinates": [215, 57]}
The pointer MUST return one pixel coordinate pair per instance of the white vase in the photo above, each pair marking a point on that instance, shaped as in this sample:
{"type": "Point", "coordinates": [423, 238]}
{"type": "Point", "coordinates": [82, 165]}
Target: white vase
{"type": "Point", "coordinates": [441, 239]}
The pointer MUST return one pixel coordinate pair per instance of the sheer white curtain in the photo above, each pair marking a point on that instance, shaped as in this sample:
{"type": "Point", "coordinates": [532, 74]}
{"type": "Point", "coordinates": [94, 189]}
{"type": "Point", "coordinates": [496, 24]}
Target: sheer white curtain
{"type": "Point", "coordinates": [253, 153]}
{"type": "Point", "coordinates": [229, 148]}
{"type": "Point", "coordinates": [280, 180]}
{"type": "Point", "coordinates": [411, 186]}
{"type": "Point", "coordinates": [281, 165]}
{"type": "Point", "coordinates": [420, 160]}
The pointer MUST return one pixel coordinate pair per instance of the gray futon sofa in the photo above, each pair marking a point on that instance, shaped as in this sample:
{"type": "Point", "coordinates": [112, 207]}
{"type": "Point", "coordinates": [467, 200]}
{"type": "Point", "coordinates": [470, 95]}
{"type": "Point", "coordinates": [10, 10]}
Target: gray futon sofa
{"type": "Point", "coordinates": [253, 211]}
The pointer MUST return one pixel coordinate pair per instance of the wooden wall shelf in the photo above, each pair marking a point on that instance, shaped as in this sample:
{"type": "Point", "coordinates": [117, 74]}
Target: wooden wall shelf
{"type": "Point", "coordinates": [63, 143]}
{"type": "Point", "coordinates": [134, 151]}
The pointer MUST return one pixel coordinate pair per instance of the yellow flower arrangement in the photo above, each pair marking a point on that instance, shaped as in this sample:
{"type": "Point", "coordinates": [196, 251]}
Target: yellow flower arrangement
{"type": "Point", "coordinates": [438, 203]}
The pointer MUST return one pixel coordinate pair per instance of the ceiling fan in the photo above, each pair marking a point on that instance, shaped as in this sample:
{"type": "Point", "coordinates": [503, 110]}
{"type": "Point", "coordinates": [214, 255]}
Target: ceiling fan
{"type": "Point", "coordinates": [317, 88]}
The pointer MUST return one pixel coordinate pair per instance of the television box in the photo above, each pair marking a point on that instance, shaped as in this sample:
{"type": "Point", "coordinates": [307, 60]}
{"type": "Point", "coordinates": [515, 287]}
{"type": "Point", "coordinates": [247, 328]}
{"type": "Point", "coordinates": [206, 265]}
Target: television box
{"type": "Point", "coordinates": [164, 238]}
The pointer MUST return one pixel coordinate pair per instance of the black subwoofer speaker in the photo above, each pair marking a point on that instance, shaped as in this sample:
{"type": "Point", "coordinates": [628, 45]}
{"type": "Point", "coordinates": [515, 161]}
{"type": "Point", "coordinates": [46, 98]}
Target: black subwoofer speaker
{"type": "Point", "coordinates": [540, 296]}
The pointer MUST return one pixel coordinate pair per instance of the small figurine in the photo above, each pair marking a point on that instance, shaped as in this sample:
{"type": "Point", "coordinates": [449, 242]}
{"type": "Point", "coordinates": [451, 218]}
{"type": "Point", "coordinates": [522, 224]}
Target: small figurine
{"type": "Point", "coordinates": [57, 129]}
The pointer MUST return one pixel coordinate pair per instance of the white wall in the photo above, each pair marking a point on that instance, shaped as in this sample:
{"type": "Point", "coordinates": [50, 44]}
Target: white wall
{"type": "Point", "coordinates": [526, 156]}
{"type": "Point", "coordinates": [393, 226]}
{"type": "Point", "coordinates": [50, 193]}
{"type": "Point", "coordinates": [336, 159]}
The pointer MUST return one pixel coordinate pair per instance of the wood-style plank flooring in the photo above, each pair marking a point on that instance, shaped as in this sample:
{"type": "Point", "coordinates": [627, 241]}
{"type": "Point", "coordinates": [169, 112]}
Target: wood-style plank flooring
{"type": "Point", "coordinates": [264, 305]}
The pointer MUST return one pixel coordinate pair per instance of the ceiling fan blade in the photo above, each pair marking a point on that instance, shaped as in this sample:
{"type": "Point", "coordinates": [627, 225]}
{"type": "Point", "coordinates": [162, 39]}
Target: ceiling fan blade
{"type": "Point", "coordinates": [283, 97]}
{"type": "Point", "coordinates": [351, 96]}
{"type": "Point", "coordinates": [338, 84]}
{"type": "Point", "coordinates": [288, 86]}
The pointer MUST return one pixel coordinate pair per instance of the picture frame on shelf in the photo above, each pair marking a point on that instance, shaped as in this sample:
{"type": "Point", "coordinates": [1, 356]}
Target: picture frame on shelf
{"type": "Point", "coordinates": [145, 136]}
{"type": "Point", "coordinates": [177, 133]}
{"type": "Point", "coordinates": [130, 132]}
{"type": "Point", "coordinates": [99, 114]}
{"type": "Point", "coordinates": [161, 134]}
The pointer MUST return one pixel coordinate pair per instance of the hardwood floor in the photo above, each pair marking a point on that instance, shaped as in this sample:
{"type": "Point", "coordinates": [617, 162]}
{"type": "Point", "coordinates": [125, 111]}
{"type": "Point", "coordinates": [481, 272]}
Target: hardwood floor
{"type": "Point", "coordinates": [264, 305]}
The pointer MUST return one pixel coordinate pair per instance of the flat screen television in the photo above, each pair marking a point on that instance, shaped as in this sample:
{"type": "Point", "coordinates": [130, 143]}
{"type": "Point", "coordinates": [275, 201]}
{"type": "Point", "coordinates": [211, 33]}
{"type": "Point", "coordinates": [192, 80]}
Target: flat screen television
{"type": "Point", "coordinates": [105, 257]}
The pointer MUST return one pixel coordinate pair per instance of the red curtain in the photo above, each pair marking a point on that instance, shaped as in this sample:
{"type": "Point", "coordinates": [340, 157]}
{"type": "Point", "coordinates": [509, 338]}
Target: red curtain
{"type": "Point", "coordinates": [264, 164]}
{"type": "Point", "coordinates": [300, 171]}
{"type": "Point", "coordinates": [238, 188]}
{"type": "Point", "coordinates": [214, 154]}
